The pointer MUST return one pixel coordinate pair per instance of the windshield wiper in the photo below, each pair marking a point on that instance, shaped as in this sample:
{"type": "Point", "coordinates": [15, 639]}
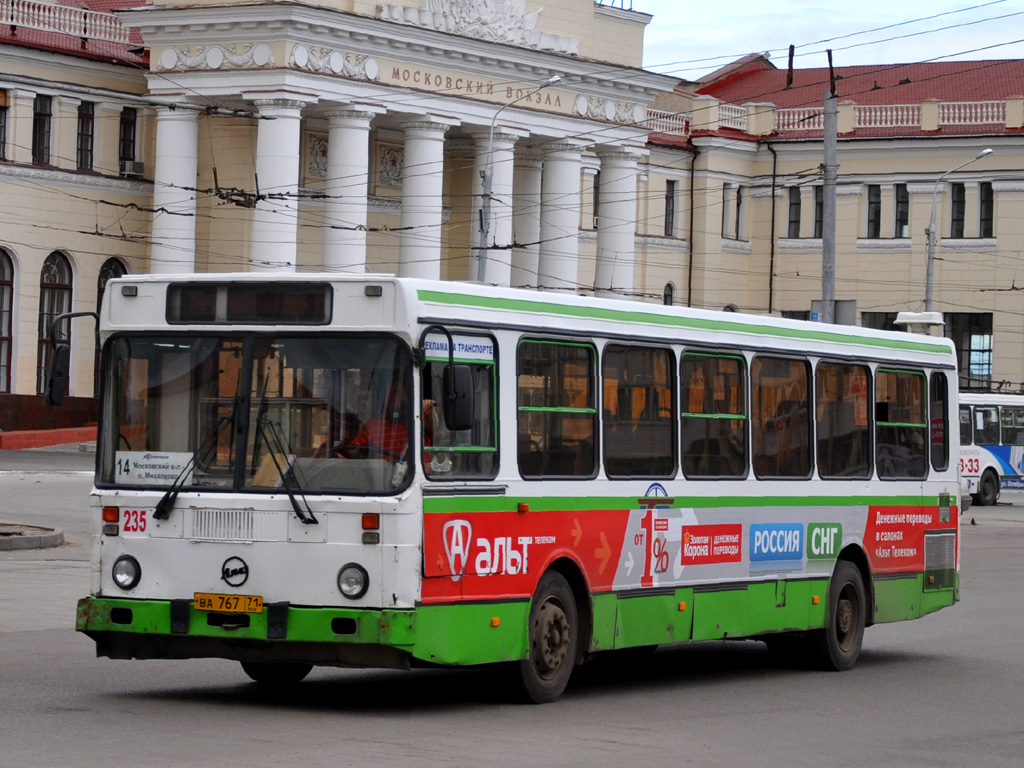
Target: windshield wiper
{"type": "Point", "coordinates": [166, 503]}
{"type": "Point", "coordinates": [286, 472]}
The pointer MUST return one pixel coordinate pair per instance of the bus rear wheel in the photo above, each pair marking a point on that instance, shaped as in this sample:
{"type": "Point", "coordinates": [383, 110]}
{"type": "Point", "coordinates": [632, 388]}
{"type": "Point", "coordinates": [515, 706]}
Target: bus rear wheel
{"type": "Point", "coordinates": [988, 490]}
{"type": "Point", "coordinates": [837, 646]}
{"type": "Point", "coordinates": [552, 633]}
{"type": "Point", "coordinates": [276, 675]}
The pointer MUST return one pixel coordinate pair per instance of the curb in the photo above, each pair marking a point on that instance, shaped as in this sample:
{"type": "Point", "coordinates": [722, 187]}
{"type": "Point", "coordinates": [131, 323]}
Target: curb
{"type": "Point", "coordinates": [44, 438]}
{"type": "Point", "coordinates": [28, 537]}
{"type": "Point", "coordinates": [46, 473]}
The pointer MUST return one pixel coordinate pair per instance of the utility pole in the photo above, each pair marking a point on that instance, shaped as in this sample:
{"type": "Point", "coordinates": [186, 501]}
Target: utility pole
{"type": "Point", "coordinates": [487, 176]}
{"type": "Point", "coordinates": [828, 201]}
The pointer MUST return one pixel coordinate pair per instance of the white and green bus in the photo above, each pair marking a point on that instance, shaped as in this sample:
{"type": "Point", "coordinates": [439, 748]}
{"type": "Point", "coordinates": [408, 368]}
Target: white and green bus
{"type": "Point", "coordinates": [372, 471]}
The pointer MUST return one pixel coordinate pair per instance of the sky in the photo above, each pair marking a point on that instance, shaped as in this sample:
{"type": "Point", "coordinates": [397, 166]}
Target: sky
{"type": "Point", "coordinates": [688, 39]}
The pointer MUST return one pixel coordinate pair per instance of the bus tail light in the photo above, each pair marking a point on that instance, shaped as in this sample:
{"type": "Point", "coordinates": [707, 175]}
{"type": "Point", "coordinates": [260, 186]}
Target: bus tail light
{"type": "Point", "coordinates": [371, 526]}
{"type": "Point", "coordinates": [111, 516]}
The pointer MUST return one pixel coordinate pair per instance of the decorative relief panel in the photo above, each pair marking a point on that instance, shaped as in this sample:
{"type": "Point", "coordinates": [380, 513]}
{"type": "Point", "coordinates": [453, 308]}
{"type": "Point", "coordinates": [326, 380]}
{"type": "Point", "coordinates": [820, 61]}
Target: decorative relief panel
{"type": "Point", "coordinates": [597, 108]}
{"type": "Point", "coordinates": [390, 159]}
{"type": "Point", "coordinates": [330, 61]}
{"type": "Point", "coordinates": [496, 21]}
{"type": "Point", "coordinates": [316, 157]}
{"type": "Point", "coordinates": [242, 56]}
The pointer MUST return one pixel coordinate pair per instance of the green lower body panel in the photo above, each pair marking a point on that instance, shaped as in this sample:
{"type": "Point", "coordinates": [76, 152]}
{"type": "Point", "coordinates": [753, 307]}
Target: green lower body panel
{"type": "Point", "coordinates": [654, 620]}
{"type": "Point", "coordinates": [911, 596]}
{"type": "Point", "coordinates": [471, 633]}
{"type": "Point", "coordinates": [449, 634]}
{"type": "Point", "coordinates": [480, 633]}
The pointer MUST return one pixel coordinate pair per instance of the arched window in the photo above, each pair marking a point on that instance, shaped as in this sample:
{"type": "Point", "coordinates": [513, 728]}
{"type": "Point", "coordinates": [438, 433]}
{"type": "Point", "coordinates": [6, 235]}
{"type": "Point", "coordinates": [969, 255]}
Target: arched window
{"type": "Point", "coordinates": [6, 319]}
{"type": "Point", "coordinates": [54, 299]}
{"type": "Point", "coordinates": [111, 268]}
{"type": "Point", "coordinates": [668, 297]}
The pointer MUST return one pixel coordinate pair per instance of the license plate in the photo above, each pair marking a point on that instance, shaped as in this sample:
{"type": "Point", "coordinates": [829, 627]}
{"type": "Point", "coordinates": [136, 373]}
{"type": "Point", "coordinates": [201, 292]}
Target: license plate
{"type": "Point", "coordinates": [206, 601]}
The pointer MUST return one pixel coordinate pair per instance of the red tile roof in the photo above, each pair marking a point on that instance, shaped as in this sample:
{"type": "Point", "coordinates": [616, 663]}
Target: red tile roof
{"type": "Point", "coordinates": [99, 50]}
{"type": "Point", "coordinates": [869, 85]}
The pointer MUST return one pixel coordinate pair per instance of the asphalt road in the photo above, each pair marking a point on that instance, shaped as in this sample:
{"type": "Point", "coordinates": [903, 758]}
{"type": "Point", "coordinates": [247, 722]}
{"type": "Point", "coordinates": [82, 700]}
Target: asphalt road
{"type": "Point", "coordinates": [942, 691]}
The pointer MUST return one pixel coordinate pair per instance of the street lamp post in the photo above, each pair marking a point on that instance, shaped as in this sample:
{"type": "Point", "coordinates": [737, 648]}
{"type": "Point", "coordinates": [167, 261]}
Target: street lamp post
{"type": "Point", "coordinates": [933, 234]}
{"type": "Point", "coordinates": [487, 174]}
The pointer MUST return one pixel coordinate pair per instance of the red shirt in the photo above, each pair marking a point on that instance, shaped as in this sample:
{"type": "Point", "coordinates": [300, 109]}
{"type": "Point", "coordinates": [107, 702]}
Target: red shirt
{"type": "Point", "coordinates": [388, 436]}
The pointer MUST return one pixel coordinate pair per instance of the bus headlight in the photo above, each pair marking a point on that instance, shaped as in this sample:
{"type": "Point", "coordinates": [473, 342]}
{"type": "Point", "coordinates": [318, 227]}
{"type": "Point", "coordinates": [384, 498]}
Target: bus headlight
{"type": "Point", "coordinates": [126, 572]}
{"type": "Point", "coordinates": [353, 581]}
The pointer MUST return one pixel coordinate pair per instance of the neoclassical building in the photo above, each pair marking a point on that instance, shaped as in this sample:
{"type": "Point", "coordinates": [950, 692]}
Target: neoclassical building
{"type": "Point", "coordinates": [909, 138]}
{"type": "Point", "coordinates": [513, 142]}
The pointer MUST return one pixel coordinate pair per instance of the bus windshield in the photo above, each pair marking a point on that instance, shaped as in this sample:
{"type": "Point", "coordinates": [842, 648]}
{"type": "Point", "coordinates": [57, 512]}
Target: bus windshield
{"type": "Point", "coordinates": [329, 413]}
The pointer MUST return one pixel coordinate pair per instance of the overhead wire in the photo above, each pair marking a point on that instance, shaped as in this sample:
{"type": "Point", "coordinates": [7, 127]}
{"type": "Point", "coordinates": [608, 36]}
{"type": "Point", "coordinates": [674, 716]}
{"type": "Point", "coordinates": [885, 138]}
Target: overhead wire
{"type": "Point", "coordinates": [392, 228]}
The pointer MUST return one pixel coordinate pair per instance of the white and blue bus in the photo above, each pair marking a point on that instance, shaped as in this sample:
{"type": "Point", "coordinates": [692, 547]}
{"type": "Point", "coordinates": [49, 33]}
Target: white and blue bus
{"type": "Point", "coordinates": [991, 445]}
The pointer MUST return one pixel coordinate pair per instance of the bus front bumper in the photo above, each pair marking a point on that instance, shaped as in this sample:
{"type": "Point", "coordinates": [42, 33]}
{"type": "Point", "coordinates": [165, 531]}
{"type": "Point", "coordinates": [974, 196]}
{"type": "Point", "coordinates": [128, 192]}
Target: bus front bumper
{"type": "Point", "coordinates": [174, 629]}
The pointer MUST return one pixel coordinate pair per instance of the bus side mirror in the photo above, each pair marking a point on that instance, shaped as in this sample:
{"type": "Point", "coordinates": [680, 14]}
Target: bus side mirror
{"type": "Point", "coordinates": [57, 374]}
{"type": "Point", "coordinates": [457, 404]}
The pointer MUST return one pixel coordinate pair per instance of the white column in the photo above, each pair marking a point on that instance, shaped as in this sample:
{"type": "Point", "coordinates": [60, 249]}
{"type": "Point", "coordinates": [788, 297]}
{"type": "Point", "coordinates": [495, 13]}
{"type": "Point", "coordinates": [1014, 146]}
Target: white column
{"type": "Point", "coordinates": [419, 251]}
{"type": "Point", "coordinates": [174, 191]}
{"type": "Point", "coordinates": [616, 223]}
{"type": "Point", "coordinates": [495, 152]}
{"type": "Point", "coordinates": [347, 188]}
{"type": "Point", "coordinates": [275, 218]}
{"type": "Point", "coordinates": [560, 217]}
{"type": "Point", "coordinates": [526, 218]}
{"type": "Point", "coordinates": [20, 111]}
{"type": "Point", "coordinates": [64, 136]}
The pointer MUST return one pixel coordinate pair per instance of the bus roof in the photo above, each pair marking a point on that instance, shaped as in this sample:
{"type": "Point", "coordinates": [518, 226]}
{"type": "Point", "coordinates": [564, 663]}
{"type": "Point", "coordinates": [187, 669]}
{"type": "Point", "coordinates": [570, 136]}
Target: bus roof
{"type": "Point", "coordinates": [990, 398]}
{"type": "Point", "coordinates": [418, 301]}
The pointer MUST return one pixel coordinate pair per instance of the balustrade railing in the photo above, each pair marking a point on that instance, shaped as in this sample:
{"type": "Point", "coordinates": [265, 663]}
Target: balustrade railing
{"type": "Point", "coordinates": [671, 123]}
{"type": "Point", "coordinates": [50, 17]}
{"type": "Point", "coordinates": [731, 116]}
{"type": "Point", "coordinates": [896, 115]}
{"type": "Point", "coordinates": [972, 112]}
{"type": "Point", "coordinates": [888, 116]}
{"type": "Point", "coordinates": [800, 119]}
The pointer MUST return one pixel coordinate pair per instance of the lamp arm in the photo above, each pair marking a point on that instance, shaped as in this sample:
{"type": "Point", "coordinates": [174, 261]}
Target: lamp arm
{"type": "Point", "coordinates": [487, 175]}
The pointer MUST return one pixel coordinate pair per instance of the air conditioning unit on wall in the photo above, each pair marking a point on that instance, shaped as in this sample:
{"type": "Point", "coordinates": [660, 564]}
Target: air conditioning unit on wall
{"type": "Point", "coordinates": [132, 168]}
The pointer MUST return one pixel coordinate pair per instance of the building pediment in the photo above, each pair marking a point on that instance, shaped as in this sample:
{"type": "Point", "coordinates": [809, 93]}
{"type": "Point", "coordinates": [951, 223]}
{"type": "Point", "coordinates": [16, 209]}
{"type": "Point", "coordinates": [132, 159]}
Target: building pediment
{"type": "Point", "coordinates": [494, 21]}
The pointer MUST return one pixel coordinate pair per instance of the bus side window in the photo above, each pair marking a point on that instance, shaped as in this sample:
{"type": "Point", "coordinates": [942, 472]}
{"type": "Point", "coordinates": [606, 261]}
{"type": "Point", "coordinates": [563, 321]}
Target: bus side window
{"type": "Point", "coordinates": [557, 408]}
{"type": "Point", "coordinates": [781, 417]}
{"type": "Point", "coordinates": [843, 432]}
{"type": "Point", "coordinates": [714, 415]}
{"type": "Point", "coordinates": [986, 425]}
{"type": "Point", "coordinates": [939, 421]}
{"type": "Point", "coordinates": [900, 429]}
{"type": "Point", "coordinates": [450, 454]}
{"type": "Point", "coordinates": [1013, 425]}
{"type": "Point", "coordinates": [639, 433]}
{"type": "Point", "coordinates": [966, 432]}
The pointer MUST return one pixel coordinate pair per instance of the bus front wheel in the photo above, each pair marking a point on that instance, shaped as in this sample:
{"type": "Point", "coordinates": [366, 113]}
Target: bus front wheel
{"type": "Point", "coordinates": [988, 490]}
{"type": "Point", "coordinates": [544, 673]}
{"type": "Point", "coordinates": [837, 646]}
{"type": "Point", "coordinates": [276, 675]}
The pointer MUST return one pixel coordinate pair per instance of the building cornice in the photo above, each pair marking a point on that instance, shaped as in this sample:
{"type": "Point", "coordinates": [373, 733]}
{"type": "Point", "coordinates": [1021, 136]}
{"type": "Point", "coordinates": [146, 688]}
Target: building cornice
{"type": "Point", "coordinates": [799, 244]}
{"type": "Point", "coordinates": [33, 60]}
{"type": "Point", "coordinates": [884, 245]}
{"type": "Point", "coordinates": [62, 178]}
{"type": "Point", "coordinates": [976, 244]}
{"type": "Point", "coordinates": [362, 35]}
{"type": "Point", "coordinates": [1011, 185]}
